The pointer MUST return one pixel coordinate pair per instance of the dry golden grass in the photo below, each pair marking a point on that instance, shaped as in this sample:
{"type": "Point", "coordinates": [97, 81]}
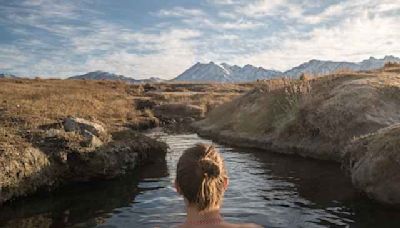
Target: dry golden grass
{"type": "Point", "coordinates": [330, 110]}
{"type": "Point", "coordinates": [39, 101]}
{"type": "Point", "coordinates": [27, 104]}
{"type": "Point", "coordinates": [267, 108]}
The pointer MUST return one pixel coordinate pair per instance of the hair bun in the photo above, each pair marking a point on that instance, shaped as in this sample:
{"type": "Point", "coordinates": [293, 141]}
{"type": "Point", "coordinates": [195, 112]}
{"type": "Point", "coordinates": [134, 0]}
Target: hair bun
{"type": "Point", "coordinates": [209, 168]}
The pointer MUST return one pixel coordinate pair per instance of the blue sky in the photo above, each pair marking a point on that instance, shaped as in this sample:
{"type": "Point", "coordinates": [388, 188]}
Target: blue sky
{"type": "Point", "coordinates": [146, 38]}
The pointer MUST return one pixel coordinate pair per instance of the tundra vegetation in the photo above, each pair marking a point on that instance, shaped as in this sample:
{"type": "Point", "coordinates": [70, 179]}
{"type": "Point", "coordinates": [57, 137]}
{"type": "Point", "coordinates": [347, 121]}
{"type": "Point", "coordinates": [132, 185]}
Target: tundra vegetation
{"type": "Point", "coordinates": [58, 131]}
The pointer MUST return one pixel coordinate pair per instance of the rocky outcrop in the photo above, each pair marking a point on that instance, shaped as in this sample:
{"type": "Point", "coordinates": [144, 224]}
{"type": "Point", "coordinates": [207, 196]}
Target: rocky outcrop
{"type": "Point", "coordinates": [80, 151]}
{"type": "Point", "coordinates": [374, 164]}
{"type": "Point", "coordinates": [127, 150]}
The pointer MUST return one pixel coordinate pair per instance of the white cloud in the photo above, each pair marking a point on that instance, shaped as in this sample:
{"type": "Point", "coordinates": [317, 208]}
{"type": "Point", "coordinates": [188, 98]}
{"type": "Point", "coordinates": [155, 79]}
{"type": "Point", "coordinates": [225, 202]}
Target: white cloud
{"type": "Point", "coordinates": [11, 57]}
{"type": "Point", "coordinates": [174, 53]}
{"type": "Point", "coordinates": [222, 2]}
{"type": "Point", "coordinates": [261, 8]}
{"type": "Point", "coordinates": [180, 12]}
{"type": "Point", "coordinates": [217, 25]}
{"type": "Point", "coordinates": [170, 52]}
{"type": "Point", "coordinates": [354, 39]}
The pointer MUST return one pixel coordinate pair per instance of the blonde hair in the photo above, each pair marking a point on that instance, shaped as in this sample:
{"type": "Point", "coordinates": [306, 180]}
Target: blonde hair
{"type": "Point", "coordinates": [201, 176]}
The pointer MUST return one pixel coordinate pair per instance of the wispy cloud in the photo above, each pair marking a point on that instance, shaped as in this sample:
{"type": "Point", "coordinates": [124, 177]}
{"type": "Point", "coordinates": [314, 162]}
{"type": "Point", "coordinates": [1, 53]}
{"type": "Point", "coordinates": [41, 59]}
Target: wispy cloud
{"type": "Point", "coordinates": [353, 40]}
{"type": "Point", "coordinates": [222, 2]}
{"type": "Point", "coordinates": [180, 12]}
{"type": "Point", "coordinates": [63, 38]}
{"type": "Point", "coordinates": [263, 8]}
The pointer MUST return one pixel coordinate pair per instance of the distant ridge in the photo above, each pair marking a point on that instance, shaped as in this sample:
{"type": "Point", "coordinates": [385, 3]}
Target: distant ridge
{"type": "Point", "coordinates": [101, 75]}
{"type": "Point", "coordinates": [8, 76]}
{"type": "Point", "coordinates": [321, 67]}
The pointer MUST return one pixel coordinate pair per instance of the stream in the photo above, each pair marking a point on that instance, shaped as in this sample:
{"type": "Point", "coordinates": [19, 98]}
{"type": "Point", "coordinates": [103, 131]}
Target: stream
{"type": "Point", "coordinates": [270, 189]}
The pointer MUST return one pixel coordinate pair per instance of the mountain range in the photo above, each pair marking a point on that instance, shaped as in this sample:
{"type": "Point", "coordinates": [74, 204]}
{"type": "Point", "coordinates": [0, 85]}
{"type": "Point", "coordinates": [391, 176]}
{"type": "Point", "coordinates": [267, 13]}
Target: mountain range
{"type": "Point", "coordinates": [213, 72]}
{"type": "Point", "coordinates": [320, 67]}
{"type": "Point", "coordinates": [227, 73]}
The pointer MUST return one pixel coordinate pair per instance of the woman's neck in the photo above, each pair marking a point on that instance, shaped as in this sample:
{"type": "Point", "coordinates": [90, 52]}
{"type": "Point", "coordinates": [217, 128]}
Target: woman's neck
{"type": "Point", "coordinates": [211, 216]}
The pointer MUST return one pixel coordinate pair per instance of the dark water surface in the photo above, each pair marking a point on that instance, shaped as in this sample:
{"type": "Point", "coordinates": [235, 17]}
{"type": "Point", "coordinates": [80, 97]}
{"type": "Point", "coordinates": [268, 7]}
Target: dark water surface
{"type": "Point", "coordinates": [266, 188]}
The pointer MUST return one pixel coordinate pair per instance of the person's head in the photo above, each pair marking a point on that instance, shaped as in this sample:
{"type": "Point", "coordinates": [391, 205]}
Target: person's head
{"type": "Point", "coordinates": [201, 177]}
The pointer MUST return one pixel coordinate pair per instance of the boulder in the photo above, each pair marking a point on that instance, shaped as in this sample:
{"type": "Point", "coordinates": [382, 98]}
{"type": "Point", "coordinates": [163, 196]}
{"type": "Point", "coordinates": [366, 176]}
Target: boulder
{"type": "Point", "coordinates": [81, 125]}
{"type": "Point", "coordinates": [374, 164]}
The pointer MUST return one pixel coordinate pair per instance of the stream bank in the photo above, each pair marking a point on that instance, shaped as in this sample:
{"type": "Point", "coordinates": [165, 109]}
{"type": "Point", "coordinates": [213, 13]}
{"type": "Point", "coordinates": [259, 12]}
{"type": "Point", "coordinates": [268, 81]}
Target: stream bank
{"type": "Point", "coordinates": [326, 118]}
{"type": "Point", "coordinates": [76, 150]}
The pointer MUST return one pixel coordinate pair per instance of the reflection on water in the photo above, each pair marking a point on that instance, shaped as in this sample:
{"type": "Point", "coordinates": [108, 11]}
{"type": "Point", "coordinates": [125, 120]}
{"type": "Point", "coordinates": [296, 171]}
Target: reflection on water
{"type": "Point", "coordinates": [266, 188]}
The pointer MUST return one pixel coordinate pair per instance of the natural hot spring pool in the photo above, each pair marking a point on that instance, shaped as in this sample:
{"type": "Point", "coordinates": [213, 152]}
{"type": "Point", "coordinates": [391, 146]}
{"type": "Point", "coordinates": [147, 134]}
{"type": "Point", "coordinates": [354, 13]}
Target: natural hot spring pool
{"type": "Point", "coordinates": [265, 188]}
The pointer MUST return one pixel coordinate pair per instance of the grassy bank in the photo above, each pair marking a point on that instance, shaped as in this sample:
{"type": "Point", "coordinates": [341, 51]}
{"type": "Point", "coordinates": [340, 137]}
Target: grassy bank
{"type": "Point", "coordinates": [348, 117]}
{"type": "Point", "coordinates": [314, 117]}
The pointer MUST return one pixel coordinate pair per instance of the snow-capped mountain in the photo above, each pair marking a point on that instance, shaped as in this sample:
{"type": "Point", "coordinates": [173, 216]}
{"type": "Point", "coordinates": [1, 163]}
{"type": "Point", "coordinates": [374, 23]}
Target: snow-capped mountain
{"type": "Point", "coordinates": [101, 75]}
{"type": "Point", "coordinates": [320, 67]}
{"type": "Point", "coordinates": [212, 72]}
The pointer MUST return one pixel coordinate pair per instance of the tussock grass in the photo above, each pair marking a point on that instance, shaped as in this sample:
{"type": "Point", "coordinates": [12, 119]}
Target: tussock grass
{"type": "Point", "coordinates": [267, 108]}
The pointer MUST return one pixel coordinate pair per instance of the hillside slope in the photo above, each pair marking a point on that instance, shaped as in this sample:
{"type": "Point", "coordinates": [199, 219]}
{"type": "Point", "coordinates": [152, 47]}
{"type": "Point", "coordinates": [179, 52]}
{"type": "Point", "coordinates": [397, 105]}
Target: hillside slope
{"type": "Point", "coordinates": [315, 118]}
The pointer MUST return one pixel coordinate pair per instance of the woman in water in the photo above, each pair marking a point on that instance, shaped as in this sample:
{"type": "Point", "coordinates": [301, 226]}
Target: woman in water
{"type": "Point", "coordinates": [201, 179]}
